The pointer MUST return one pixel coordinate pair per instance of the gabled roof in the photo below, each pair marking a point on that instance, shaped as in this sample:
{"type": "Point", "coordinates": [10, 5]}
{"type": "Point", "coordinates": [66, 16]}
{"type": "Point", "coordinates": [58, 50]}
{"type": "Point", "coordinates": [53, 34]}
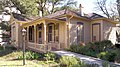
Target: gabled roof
{"type": "Point", "coordinates": [94, 16]}
{"type": "Point", "coordinates": [19, 17]}
{"type": "Point", "coordinates": [70, 12]}
{"type": "Point", "coordinates": [62, 12]}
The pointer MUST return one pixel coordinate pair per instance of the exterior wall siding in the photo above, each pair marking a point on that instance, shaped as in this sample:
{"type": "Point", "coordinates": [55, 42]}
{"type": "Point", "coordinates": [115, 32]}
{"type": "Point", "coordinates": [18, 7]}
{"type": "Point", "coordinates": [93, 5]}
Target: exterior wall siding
{"type": "Point", "coordinates": [107, 27]}
{"type": "Point", "coordinates": [73, 31]}
{"type": "Point", "coordinates": [62, 33]}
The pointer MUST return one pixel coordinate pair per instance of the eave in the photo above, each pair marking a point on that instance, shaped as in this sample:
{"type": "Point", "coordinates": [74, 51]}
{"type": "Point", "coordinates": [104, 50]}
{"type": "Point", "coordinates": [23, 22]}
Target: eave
{"type": "Point", "coordinates": [40, 20]}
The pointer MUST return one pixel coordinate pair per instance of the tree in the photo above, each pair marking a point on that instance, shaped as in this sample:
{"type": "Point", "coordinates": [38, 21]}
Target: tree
{"type": "Point", "coordinates": [118, 8]}
{"type": "Point", "coordinates": [69, 4]}
{"type": "Point", "coordinates": [3, 4]}
{"type": "Point", "coordinates": [101, 5]}
{"type": "Point", "coordinates": [110, 10]}
{"type": "Point", "coordinates": [27, 7]}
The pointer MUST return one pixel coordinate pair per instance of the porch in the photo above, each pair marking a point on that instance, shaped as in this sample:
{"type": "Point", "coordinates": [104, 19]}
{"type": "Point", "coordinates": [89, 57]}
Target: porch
{"type": "Point", "coordinates": [45, 35]}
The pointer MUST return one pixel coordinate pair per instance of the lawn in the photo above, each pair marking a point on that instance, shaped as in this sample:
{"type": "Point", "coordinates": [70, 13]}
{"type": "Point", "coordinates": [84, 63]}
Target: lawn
{"type": "Point", "coordinates": [8, 58]}
{"type": "Point", "coordinates": [18, 63]}
{"type": "Point", "coordinates": [13, 58]}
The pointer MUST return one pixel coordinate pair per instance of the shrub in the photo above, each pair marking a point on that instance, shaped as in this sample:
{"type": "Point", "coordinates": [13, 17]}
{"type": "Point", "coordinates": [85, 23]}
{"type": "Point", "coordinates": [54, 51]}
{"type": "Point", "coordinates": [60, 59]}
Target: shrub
{"type": "Point", "coordinates": [117, 58]}
{"type": "Point", "coordinates": [1, 48]}
{"type": "Point", "coordinates": [69, 61]}
{"type": "Point", "coordinates": [109, 56]}
{"type": "Point", "coordinates": [104, 45]}
{"type": "Point", "coordinates": [29, 55]}
{"type": "Point", "coordinates": [102, 49]}
{"type": "Point", "coordinates": [87, 49]}
{"type": "Point", "coordinates": [49, 56]}
{"type": "Point", "coordinates": [74, 48]}
{"type": "Point", "coordinates": [107, 44]}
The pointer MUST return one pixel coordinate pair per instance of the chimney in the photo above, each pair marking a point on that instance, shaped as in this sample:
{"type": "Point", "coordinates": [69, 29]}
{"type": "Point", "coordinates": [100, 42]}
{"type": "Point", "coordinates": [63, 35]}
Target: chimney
{"type": "Point", "coordinates": [80, 9]}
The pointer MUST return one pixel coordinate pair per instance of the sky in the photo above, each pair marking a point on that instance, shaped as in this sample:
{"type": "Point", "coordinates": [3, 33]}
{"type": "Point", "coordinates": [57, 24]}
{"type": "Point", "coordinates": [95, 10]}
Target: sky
{"type": "Point", "coordinates": [89, 5]}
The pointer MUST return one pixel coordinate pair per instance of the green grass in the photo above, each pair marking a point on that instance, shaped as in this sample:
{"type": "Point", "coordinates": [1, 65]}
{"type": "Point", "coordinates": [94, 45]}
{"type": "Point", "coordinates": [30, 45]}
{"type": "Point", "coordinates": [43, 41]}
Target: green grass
{"type": "Point", "coordinates": [8, 58]}
{"type": "Point", "coordinates": [18, 63]}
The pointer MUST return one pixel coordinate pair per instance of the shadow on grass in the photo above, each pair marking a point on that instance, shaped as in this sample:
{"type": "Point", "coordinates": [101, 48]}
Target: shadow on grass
{"type": "Point", "coordinates": [7, 50]}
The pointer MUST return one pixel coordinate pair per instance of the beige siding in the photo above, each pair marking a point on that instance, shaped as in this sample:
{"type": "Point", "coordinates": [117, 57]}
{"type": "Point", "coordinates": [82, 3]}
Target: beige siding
{"type": "Point", "coordinates": [20, 39]}
{"type": "Point", "coordinates": [62, 33]}
{"type": "Point", "coordinates": [107, 29]}
{"type": "Point", "coordinates": [73, 31]}
{"type": "Point", "coordinates": [14, 30]}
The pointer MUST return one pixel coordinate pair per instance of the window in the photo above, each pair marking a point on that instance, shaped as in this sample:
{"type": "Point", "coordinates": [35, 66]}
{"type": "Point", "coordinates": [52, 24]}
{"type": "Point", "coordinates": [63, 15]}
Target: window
{"type": "Point", "coordinates": [80, 32]}
{"type": "Point", "coordinates": [50, 33]}
{"type": "Point", "coordinates": [40, 34]}
{"type": "Point", "coordinates": [31, 33]}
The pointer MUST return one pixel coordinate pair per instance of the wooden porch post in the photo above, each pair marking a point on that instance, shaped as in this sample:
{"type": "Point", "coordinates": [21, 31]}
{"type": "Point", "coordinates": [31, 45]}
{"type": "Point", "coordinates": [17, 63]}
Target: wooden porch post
{"type": "Point", "coordinates": [27, 37]}
{"type": "Point", "coordinates": [45, 33]}
{"type": "Point", "coordinates": [35, 35]}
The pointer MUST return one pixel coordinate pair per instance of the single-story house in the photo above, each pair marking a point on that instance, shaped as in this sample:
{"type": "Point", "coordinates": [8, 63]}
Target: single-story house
{"type": "Point", "coordinates": [60, 29]}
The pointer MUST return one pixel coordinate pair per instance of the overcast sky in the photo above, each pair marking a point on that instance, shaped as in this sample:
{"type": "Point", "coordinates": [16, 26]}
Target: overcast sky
{"type": "Point", "coordinates": [89, 5]}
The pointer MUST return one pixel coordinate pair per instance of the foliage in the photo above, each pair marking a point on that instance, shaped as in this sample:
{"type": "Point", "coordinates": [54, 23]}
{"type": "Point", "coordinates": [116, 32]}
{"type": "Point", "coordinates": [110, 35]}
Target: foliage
{"type": "Point", "coordinates": [4, 3]}
{"type": "Point", "coordinates": [107, 56]}
{"type": "Point", "coordinates": [1, 48]}
{"type": "Point", "coordinates": [102, 49]}
{"type": "Point", "coordinates": [49, 56]}
{"type": "Point", "coordinates": [29, 7]}
{"type": "Point", "coordinates": [92, 49]}
{"type": "Point", "coordinates": [5, 26]}
{"type": "Point", "coordinates": [117, 58]}
{"type": "Point", "coordinates": [69, 61]}
{"type": "Point", "coordinates": [74, 48]}
{"type": "Point", "coordinates": [110, 10]}
{"type": "Point", "coordinates": [118, 7]}
{"type": "Point", "coordinates": [29, 55]}
{"type": "Point", "coordinates": [70, 4]}
{"type": "Point", "coordinates": [107, 64]}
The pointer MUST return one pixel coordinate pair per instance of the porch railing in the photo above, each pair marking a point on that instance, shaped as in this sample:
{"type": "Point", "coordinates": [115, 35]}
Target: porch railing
{"type": "Point", "coordinates": [45, 47]}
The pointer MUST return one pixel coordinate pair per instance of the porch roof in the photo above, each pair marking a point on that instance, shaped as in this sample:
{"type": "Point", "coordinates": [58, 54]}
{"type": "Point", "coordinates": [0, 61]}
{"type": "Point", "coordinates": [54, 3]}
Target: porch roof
{"type": "Point", "coordinates": [41, 20]}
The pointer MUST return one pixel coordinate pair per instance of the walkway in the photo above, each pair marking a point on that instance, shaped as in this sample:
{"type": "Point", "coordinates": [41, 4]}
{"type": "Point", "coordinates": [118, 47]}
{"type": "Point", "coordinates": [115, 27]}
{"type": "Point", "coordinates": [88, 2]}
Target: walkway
{"type": "Point", "coordinates": [86, 59]}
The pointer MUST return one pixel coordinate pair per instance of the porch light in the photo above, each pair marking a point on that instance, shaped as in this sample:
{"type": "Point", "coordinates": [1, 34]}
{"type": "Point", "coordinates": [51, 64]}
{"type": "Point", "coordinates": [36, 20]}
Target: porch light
{"type": "Point", "coordinates": [23, 34]}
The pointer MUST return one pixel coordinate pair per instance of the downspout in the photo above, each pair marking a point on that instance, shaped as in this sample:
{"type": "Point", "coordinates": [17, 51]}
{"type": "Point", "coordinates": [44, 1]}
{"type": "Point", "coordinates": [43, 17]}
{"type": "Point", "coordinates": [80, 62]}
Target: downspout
{"type": "Point", "coordinates": [68, 32]}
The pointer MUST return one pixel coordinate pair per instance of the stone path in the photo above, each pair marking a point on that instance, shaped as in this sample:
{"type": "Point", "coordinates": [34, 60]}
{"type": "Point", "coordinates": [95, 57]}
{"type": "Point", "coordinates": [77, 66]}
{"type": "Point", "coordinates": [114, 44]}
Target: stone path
{"type": "Point", "coordinates": [84, 58]}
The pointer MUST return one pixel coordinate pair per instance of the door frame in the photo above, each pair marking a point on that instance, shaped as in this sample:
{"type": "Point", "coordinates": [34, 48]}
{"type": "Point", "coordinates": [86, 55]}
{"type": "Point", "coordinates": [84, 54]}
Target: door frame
{"type": "Point", "coordinates": [99, 30]}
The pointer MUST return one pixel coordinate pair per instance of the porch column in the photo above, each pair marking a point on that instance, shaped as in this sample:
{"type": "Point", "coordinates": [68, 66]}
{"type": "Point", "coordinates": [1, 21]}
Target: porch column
{"type": "Point", "coordinates": [27, 36]}
{"type": "Point", "coordinates": [35, 35]}
{"type": "Point", "coordinates": [44, 33]}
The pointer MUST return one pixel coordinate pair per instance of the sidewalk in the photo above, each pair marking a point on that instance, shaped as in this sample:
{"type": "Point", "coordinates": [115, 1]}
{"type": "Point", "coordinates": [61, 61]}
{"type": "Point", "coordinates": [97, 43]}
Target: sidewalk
{"type": "Point", "coordinates": [84, 58]}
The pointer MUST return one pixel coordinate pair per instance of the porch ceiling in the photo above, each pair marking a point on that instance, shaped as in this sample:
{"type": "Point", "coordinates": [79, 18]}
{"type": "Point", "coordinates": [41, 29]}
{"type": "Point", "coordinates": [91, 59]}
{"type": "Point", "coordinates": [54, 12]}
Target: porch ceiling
{"type": "Point", "coordinates": [41, 20]}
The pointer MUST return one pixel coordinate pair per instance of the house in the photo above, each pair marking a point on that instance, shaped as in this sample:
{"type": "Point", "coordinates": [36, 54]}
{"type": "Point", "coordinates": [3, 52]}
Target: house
{"type": "Point", "coordinates": [60, 29]}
